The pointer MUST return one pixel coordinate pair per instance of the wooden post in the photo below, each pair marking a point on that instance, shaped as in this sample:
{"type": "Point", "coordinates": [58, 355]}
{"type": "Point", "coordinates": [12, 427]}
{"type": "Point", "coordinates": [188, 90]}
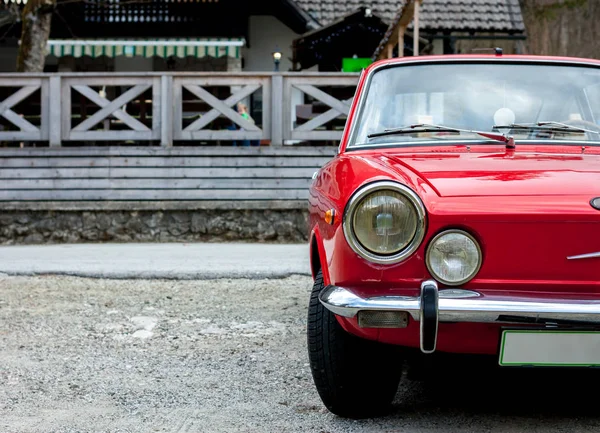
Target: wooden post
{"type": "Point", "coordinates": [416, 27]}
{"type": "Point", "coordinates": [166, 110]}
{"type": "Point", "coordinates": [277, 102]}
{"type": "Point", "coordinates": [401, 41]}
{"type": "Point", "coordinates": [66, 108]}
{"type": "Point", "coordinates": [55, 108]}
{"type": "Point", "coordinates": [177, 103]}
{"type": "Point", "coordinates": [390, 51]}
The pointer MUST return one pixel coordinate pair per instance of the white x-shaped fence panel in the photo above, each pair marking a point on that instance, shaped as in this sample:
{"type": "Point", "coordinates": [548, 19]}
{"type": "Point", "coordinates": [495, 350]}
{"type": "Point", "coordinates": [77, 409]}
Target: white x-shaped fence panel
{"type": "Point", "coordinates": [26, 130]}
{"type": "Point", "coordinates": [86, 129]}
{"type": "Point", "coordinates": [337, 107]}
{"type": "Point", "coordinates": [197, 130]}
{"type": "Point", "coordinates": [173, 117]}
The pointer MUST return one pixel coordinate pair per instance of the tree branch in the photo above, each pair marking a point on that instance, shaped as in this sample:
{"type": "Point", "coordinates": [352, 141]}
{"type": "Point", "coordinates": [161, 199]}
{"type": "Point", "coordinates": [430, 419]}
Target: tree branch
{"type": "Point", "coordinates": [9, 16]}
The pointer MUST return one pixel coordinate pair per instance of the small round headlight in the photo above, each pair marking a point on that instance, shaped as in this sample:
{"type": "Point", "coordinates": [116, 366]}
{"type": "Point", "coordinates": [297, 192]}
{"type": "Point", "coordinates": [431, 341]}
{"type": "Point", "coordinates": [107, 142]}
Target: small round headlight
{"type": "Point", "coordinates": [384, 222]}
{"type": "Point", "coordinates": [453, 257]}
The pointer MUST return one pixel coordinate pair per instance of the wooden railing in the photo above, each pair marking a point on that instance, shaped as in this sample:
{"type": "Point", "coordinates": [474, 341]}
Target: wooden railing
{"type": "Point", "coordinates": [167, 109]}
{"type": "Point", "coordinates": [102, 178]}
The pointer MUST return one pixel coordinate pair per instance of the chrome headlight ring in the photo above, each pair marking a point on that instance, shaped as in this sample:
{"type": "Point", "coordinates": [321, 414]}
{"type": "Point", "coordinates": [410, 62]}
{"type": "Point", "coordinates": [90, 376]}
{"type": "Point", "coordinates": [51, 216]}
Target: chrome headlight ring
{"type": "Point", "coordinates": [472, 274]}
{"type": "Point", "coordinates": [417, 238]}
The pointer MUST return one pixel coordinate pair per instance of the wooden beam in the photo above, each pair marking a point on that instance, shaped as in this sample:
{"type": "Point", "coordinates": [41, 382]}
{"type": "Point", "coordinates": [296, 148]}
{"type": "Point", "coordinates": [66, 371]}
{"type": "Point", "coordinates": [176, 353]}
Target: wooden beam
{"type": "Point", "coordinates": [109, 183]}
{"type": "Point", "coordinates": [322, 118]}
{"type": "Point", "coordinates": [54, 104]}
{"type": "Point", "coordinates": [201, 122]}
{"type": "Point", "coordinates": [17, 97]}
{"type": "Point", "coordinates": [111, 108]}
{"type": "Point", "coordinates": [14, 118]}
{"type": "Point", "coordinates": [404, 19]}
{"type": "Point", "coordinates": [416, 28]}
{"type": "Point", "coordinates": [277, 110]}
{"type": "Point", "coordinates": [401, 31]}
{"type": "Point", "coordinates": [152, 205]}
{"type": "Point", "coordinates": [216, 103]}
{"type": "Point", "coordinates": [325, 98]}
{"type": "Point", "coordinates": [160, 172]}
{"type": "Point", "coordinates": [242, 160]}
{"type": "Point", "coordinates": [19, 121]}
{"type": "Point", "coordinates": [151, 151]}
{"type": "Point", "coordinates": [154, 194]}
{"type": "Point", "coordinates": [166, 110]}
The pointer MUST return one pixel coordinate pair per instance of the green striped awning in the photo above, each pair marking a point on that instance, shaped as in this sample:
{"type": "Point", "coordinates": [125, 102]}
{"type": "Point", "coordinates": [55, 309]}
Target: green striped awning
{"type": "Point", "coordinates": [213, 47]}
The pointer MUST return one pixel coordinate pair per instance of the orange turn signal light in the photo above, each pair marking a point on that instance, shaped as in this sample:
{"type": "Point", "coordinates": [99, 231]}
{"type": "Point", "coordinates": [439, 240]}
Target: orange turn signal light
{"type": "Point", "coordinates": [330, 216]}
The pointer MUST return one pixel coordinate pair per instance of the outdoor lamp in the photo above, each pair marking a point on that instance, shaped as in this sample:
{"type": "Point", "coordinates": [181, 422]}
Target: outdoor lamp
{"type": "Point", "coordinates": [276, 58]}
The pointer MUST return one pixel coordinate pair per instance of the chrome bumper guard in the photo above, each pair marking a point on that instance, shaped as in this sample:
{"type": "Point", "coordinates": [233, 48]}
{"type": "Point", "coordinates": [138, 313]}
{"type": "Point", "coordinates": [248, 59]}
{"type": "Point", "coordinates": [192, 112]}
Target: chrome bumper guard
{"type": "Point", "coordinates": [459, 305]}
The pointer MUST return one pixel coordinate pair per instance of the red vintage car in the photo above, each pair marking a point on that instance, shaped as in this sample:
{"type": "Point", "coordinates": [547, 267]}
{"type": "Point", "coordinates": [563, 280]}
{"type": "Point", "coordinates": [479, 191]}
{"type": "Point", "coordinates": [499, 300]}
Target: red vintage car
{"type": "Point", "coordinates": [460, 215]}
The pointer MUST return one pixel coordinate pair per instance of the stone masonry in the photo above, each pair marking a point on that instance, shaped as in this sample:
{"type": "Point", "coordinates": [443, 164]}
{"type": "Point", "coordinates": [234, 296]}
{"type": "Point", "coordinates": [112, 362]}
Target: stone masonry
{"type": "Point", "coordinates": [42, 226]}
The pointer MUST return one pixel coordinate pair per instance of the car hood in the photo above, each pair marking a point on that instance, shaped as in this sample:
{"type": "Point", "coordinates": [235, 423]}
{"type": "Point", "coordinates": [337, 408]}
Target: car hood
{"type": "Point", "coordinates": [501, 174]}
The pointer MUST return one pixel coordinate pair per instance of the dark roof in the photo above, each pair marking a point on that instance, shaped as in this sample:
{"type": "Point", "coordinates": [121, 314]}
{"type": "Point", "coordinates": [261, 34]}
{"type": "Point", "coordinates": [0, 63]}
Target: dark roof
{"type": "Point", "coordinates": [327, 11]}
{"type": "Point", "coordinates": [307, 22]}
{"type": "Point", "coordinates": [478, 15]}
{"type": "Point", "coordinates": [481, 15]}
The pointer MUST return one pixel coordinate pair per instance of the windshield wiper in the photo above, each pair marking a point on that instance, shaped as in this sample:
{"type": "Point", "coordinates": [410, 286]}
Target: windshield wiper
{"type": "Point", "coordinates": [549, 126]}
{"type": "Point", "coordinates": [413, 129]}
{"type": "Point", "coordinates": [427, 127]}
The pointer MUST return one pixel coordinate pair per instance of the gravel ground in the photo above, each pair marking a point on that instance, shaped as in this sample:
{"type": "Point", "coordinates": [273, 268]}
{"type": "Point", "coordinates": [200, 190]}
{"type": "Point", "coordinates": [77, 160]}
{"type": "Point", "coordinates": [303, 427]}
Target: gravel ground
{"type": "Point", "coordinates": [94, 355]}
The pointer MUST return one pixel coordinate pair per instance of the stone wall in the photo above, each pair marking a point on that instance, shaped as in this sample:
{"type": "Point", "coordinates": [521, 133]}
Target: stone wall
{"type": "Point", "coordinates": [52, 226]}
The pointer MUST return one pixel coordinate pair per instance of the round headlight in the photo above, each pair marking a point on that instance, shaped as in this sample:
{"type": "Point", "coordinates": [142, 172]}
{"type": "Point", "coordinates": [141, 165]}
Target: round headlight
{"type": "Point", "coordinates": [453, 257]}
{"type": "Point", "coordinates": [384, 222]}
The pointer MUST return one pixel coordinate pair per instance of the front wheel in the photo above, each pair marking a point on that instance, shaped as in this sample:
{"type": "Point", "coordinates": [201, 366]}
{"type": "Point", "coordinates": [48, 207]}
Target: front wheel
{"type": "Point", "coordinates": [355, 378]}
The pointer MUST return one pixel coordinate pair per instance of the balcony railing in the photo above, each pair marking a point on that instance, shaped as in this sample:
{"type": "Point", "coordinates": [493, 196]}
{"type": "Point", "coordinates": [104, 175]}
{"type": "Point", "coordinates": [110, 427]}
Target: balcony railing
{"type": "Point", "coordinates": [173, 108]}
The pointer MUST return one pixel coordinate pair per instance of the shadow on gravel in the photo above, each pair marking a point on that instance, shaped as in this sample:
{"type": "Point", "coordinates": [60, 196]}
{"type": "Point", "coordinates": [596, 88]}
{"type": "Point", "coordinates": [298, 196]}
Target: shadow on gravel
{"type": "Point", "coordinates": [475, 388]}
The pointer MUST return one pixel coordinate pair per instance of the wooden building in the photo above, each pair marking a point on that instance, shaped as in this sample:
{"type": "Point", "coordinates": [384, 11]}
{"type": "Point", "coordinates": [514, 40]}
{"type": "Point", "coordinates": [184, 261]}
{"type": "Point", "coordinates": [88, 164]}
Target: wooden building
{"type": "Point", "coordinates": [454, 27]}
{"type": "Point", "coordinates": [237, 35]}
{"type": "Point", "coordinates": [160, 35]}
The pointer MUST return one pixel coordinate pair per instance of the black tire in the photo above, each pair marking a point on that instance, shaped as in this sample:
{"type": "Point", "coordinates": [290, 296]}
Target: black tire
{"type": "Point", "coordinates": [355, 377]}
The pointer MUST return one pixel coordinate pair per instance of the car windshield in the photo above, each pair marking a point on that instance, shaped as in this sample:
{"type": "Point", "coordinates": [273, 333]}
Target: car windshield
{"type": "Point", "coordinates": [524, 100]}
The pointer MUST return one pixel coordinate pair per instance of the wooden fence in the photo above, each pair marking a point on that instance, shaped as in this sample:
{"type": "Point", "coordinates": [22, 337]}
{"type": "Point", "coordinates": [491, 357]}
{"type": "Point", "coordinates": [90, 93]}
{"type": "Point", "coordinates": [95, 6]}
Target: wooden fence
{"type": "Point", "coordinates": [152, 108]}
{"type": "Point", "coordinates": [158, 178]}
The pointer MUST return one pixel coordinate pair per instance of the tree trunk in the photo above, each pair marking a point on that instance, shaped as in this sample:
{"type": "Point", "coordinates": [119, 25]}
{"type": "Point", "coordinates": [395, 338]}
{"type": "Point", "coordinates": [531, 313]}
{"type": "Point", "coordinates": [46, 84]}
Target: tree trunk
{"type": "Point", "coordinates": [36, 19]}
{"type": "Point", "coordinates": [562, 27]}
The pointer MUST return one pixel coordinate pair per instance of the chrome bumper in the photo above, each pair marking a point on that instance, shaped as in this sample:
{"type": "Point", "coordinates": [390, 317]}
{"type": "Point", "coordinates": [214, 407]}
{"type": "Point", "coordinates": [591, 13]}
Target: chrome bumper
{"type": "Point", "coordinates": [458, 305]}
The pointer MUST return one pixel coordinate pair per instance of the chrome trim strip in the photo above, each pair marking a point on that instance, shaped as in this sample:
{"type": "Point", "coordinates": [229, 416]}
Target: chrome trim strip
{"type": "Point", "coordinates": [344, 303]}
{"type": "Point", "coordinates": [466, 142]}
{"type": "Point", "coordinates": [477, 308]}
{"type": "Point", "coordinates": [348, 228]}
{"type": "Point", "coordinates": [585, 256]}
